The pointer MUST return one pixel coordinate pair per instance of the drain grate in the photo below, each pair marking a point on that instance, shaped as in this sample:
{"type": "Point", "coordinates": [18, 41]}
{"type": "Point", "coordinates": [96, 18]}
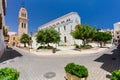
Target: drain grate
{"type": "Point", "coordinates": [49, 75]}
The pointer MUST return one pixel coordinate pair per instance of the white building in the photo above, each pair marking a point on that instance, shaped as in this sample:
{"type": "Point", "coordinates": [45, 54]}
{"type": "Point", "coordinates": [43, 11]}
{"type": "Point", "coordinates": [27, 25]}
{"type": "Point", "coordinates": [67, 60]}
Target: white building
{"type": "Point", "coordinates": [111, 31]}
{"type": "Point", "coordinates": [65, 25]}
{"type": "Point", "coordinates": [116, 37]}
{"type": "Point", "coordinates": [2, 24]}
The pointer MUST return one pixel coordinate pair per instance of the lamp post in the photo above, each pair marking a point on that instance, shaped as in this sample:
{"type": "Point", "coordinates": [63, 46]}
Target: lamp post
{"type": "Point", "coordinates": [31, 39]}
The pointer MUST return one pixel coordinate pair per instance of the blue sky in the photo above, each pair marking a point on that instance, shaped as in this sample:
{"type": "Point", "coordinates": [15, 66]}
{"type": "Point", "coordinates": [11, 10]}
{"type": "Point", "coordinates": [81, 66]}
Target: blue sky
{"type": "Point", "coordinates": [100, 13]}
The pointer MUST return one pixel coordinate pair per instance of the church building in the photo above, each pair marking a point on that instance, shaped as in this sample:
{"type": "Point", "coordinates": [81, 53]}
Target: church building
{"type": "Point", "coordinates": [65, 25]}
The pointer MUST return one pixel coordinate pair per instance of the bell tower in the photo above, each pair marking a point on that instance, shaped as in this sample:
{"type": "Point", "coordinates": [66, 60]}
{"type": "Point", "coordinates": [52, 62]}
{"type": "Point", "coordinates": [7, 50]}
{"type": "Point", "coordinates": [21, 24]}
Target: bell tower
{"type": "Point", "coordinates": [22, 21]}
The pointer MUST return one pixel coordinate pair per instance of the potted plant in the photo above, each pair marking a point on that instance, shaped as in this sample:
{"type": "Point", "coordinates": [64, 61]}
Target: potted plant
{"type": "Point", "coordinates": [9, 74]}
{"type": "Point", "coordinates": [115, 75]}
{"type": "Point", "coordinates": [76, 72]}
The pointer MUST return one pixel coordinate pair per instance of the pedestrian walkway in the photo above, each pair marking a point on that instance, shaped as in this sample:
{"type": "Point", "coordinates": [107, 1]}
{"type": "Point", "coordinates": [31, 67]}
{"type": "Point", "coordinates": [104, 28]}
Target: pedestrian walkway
{"type": "Point", "coordinates": [33, 67]}
{"type": "Point", "coordinates": [69, 50]}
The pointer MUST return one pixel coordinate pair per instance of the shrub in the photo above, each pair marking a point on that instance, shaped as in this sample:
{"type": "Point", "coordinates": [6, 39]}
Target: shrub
{"type": "Point", "coordinates": [45, 47]}
{"type": "Point", "coordinates": [76, 46]}
{"type": "Point", "coordinates": [8, 74]}
{"type": "Point", "coordinates": [88, 46]}
{"type": "Point", "coordinates": [115, 75]}
{"type": "Point", "coordinates": [77, 70]}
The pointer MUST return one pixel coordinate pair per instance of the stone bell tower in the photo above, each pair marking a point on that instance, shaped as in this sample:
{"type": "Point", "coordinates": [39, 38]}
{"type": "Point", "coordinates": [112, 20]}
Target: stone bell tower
{"type": "Point", "coordinates": [22, 22]}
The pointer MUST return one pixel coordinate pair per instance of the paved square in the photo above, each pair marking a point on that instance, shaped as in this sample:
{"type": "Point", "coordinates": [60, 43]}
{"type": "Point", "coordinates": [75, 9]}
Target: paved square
{"type": "Point", "coordinates": [33, 67]}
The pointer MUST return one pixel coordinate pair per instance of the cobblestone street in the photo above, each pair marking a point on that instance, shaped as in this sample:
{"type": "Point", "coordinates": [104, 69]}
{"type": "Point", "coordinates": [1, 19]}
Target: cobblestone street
{"type": "Point", "coordinates": [33, 67]}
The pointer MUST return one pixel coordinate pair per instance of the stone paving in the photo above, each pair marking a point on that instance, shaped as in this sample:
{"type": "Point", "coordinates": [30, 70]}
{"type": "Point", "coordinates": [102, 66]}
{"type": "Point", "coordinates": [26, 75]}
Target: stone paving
{"type": "Point", "coordinates": [33, 67]}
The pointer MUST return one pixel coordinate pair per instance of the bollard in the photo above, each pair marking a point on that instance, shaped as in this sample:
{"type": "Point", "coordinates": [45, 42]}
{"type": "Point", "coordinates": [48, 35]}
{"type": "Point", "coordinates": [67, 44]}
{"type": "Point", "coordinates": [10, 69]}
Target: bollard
{"type": "Point", "coordinates": [54, 50]}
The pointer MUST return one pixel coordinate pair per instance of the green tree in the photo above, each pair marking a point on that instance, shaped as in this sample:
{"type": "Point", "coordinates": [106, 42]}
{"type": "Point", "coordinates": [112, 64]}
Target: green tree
{"type": "Point", "coordinates": [102, 37]}
{"type": "Point", "coordinates": [83, 32]}
{"type": "Point", "coordinates": [40, 36]}
{"type": "Point", "coordinates": [47, 36]}
{"type": "Point", "coordinates": [107, 37]}
{"type": "Point", "coordinates": [24, 39]}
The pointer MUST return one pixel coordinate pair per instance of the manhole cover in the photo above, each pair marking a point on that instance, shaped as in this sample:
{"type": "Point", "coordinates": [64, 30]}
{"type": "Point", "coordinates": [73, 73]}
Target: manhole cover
{"type": "Point", "coordinates": [49, 75]}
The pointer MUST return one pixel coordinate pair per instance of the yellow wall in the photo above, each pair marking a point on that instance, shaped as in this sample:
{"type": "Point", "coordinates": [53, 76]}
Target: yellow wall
{"type": "Point", "coordinates": [13, 39]}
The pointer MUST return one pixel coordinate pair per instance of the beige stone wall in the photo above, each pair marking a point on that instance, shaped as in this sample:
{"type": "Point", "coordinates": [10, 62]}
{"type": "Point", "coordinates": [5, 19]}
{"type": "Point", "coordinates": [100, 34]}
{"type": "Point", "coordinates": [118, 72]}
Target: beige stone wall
{"type": "Point", "coordinates": [13, 40]}
{"type": "Point", "coordinates": [22, 22]}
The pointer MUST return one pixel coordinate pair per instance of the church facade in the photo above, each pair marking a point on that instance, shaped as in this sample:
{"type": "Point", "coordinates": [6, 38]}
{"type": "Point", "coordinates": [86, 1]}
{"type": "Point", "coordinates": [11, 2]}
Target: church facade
{"type": "Point", "coordinates": [65, 25]}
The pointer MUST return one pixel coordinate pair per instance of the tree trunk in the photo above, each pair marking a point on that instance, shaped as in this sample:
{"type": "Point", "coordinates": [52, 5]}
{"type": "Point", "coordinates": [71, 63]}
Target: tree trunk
{"type": "Point", "coordinates": [24, 44]}
{"type": "Point", "coordinates": [83, 43]}
{"type": "Point", "coordinates": [48, 45]}
{"type": "Point", "coordinates": [100, 44]}
{"type": "Point", "coordinates": [104, 44]}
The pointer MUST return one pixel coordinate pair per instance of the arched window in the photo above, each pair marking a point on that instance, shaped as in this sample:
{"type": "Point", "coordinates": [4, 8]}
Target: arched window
{"type": "Point", "coordinates": [58, 23]}
{"type": "Point", "coordinates": [59, 29]}
{"type": "Point", "coordinates": [23, 14]}
{"type": "Point", "coordinates": [63, 22]}
{"type": "Point", "coordinates": [24, 25]}
{"type": "Point", "coordinates": [65, 28]}
{"type": "Point", "coordinates": [13, 38]}
{"type": "Point", "coordinates": [65, 39]}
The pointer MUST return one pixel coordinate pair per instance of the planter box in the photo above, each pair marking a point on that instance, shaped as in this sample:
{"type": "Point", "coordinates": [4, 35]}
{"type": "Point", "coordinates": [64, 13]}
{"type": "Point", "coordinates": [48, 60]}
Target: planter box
{"type": "Point", "coordinates": [73, 77]}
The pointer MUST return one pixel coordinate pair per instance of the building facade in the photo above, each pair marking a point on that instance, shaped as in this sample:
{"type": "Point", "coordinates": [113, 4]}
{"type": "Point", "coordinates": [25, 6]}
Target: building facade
{"type": "Point", "coordinates": [22, 22]}
{"type": "Point", "coordinates": [13, 39]}
{"type": "Point", "coordinates": [116, 36]}
{"type": "Point", "coordinates": [5, 33]}
{"type": "Point", "coordinates": [2, 24]}
{"type": "Point", "coordinates": [65, 25]}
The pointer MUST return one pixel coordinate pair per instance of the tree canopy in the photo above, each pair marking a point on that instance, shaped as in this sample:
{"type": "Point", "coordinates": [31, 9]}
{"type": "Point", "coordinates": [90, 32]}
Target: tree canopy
{"type": "Point", "coordinates": [24, 39]}
{"type": "Point", "coordinates": [102, 37]}
{"type": "Point", "coordinates": [83, 32]}
{"type": "Point", "coordinates": [47, 36]}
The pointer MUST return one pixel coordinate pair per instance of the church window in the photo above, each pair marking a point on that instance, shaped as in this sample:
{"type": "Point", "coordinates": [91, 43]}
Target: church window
{"type": "Point", "coordinates": [117, 32]}
{"type": "Point", "coordinates": [59, 29]}
{"type": "Point", "coordinates": [62, 21]}
{"type": "Point", "coordinates": [13, 38]}
{"type": "Point", "coordinates": [58, 23]}
{"type": "Point", "coordinates": [65, 39]}
{"type": "Point", "coordinates": [67, 20]}
{"type": "Point", "coordinates": [64, 27]}
{"type": "Point", "coordinates": [0, 21]}
{"type": "Point", "coordinates": [23, 14]}
{"type": "Point", "coordinates": [117, 36]}
{"type": "Point", "coordinates": [24, 25]}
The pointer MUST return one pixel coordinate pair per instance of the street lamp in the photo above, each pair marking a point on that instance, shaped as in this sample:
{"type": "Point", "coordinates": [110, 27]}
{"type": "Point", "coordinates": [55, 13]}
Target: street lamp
{"type": "Point", "coordinates": [31, 39]}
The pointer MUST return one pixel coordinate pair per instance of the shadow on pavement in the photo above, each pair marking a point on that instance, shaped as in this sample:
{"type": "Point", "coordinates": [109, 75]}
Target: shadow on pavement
{"type": "Point", "coordinates": [110, 62]}
{"type": "Point", "coordinates": [9, 54]}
